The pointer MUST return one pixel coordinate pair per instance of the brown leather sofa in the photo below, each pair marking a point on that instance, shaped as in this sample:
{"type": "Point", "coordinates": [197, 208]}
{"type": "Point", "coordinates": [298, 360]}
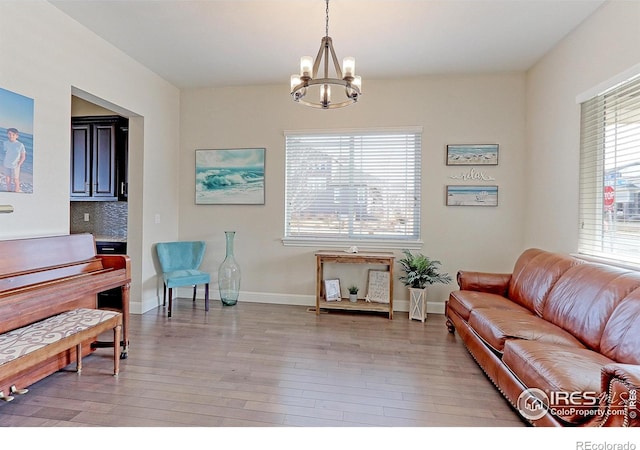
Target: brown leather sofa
{"type": "Point", "coordinates": [559, 337]}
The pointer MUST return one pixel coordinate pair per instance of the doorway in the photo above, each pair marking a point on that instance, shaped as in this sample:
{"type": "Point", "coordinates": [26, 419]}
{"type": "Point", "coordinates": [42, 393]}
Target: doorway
{"type": "Point", "coordinates": [85, 103]}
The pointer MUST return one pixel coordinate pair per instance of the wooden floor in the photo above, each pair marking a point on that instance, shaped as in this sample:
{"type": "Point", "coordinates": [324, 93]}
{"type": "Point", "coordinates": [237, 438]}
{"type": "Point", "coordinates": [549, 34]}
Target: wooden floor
{"type": "Point", "coordinates": [260, 365]}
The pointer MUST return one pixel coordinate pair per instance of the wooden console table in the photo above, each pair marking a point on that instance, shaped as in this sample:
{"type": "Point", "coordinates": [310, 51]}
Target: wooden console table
{"type": "Point", "coordinates": [336, 257]}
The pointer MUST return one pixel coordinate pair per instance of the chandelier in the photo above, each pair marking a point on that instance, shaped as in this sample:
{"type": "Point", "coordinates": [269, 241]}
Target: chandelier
{"type": "Point", "coordinates": [320, 88]}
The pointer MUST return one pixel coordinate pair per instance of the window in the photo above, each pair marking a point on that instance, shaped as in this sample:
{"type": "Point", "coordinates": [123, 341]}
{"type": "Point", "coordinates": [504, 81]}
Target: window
{"type": "Point", "coordinates": [353, 187]}
{"type": "Point", "coordinates": [610, 174]}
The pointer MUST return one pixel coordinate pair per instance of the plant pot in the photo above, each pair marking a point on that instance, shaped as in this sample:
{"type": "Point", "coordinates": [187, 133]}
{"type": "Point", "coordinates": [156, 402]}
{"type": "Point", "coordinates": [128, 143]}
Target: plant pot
{"type": "Point", "coordinates": [418, 304]}
{"type": "Point", "coordinates": [353, 298]}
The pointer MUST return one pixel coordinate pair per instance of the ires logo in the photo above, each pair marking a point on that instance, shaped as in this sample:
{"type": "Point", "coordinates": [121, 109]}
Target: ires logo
{"type": "Point", "coordinates": [534, 403]}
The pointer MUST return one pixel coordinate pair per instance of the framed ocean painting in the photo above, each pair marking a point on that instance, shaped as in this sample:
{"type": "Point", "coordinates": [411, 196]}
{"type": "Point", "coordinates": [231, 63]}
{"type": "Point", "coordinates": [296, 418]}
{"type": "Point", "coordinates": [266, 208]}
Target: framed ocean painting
{"type": "Point", "coordinates": [472, 195]}
{"type": "Point", "coordinates": [230, 176]}
{"type": "Point", "coordinates": [469, 155]}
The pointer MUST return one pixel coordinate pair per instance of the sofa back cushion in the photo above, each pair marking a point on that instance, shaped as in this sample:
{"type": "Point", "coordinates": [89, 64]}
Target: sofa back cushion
{"type": "Point", "coordinates": [534, 274]}
{"type": "Point", "coordinates": [621, 337]}
{"type": "Point", "coordinates": [583, 299]}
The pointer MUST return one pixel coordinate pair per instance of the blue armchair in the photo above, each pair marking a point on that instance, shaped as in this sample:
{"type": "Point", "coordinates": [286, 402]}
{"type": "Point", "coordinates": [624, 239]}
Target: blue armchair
{"type": "Point", "coordinates": [180, 263]}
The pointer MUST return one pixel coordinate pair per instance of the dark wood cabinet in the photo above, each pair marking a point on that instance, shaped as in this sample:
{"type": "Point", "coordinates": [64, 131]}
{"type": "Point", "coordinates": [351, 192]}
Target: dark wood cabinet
{"type": "Point", "coordinates": [97, 154]}
{"type": "Point", "coordinates": [122, 165]}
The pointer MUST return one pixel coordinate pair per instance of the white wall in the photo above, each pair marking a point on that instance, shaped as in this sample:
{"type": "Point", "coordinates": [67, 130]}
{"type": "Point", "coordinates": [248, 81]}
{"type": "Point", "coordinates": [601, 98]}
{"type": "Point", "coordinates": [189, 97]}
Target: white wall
{"type": "Point", "coordinates": [607, 44]}
{"type": "Point", "coordinates": [47, 56]}
{"type": "Point", "coordinates": [451, 110]}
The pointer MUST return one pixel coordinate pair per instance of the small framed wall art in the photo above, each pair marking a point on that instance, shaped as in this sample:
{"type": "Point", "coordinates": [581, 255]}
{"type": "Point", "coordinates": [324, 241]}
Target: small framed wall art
{"type": "Point", "coordinates": [230, 176]}
{"type": "Point", "coordinates": [472, 155]}
{"type": "Point", "coordinates": [461, 195]}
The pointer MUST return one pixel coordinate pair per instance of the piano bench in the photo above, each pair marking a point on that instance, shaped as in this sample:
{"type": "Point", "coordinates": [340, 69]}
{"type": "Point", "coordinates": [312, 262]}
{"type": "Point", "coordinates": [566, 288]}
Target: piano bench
{"type": "Point", "coordinates": [24, 347]}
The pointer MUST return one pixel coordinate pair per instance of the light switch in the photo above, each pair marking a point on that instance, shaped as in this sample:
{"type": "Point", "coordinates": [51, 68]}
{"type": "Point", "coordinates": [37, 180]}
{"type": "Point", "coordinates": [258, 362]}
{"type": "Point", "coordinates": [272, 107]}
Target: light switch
{"type": "Point", "coordinates": [157, 218]}
{"type": "Point", "coordinates": [86, 217]}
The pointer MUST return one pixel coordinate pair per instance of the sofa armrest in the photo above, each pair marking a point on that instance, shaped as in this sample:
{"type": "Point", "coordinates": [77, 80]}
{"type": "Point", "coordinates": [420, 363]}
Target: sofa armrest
{"type": "Point", "coordinates": [619, 403]}
{"type": "Point", "coordinates": [495, 283]}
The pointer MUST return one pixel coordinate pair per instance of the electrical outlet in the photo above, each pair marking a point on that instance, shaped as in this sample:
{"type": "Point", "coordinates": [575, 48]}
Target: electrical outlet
{"type": "Point", "coordinates": [157, 218]}
{"type": "Point", "coordinates": [86, 217]}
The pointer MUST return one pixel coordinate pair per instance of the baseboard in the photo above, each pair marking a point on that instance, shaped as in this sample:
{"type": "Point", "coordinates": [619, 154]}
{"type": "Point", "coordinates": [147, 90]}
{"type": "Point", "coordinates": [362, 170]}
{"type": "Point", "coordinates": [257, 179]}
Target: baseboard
{"type": "Point", "coordinates": [145, 305]}
{"type": "Point", "coordinates": [264, 297]}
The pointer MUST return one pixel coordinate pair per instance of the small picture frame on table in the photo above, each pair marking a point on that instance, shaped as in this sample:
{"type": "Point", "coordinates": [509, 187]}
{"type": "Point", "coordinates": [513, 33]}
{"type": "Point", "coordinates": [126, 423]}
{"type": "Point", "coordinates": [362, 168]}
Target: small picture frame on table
{"type": "Point", "coordinates": [332, 291]}
{"type": "Point", "coordinates": [378, 286]}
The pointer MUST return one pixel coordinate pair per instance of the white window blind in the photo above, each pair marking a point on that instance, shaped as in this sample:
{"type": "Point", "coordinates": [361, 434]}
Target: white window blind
{"type": "Point", "coordinates": [353, 185]}
{"type": "Point", "coordinates": [610, 174]}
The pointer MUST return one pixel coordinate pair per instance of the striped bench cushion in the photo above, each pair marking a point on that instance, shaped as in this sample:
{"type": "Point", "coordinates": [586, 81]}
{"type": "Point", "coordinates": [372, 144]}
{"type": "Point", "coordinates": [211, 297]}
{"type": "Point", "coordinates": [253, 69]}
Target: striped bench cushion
{"type": "Point", "coordinates": [22, 341]}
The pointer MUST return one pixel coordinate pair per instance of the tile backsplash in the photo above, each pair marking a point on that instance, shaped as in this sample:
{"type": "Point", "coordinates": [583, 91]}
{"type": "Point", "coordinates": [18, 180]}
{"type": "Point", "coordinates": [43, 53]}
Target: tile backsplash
{"type": "Point", "coordinates": [106, 219]}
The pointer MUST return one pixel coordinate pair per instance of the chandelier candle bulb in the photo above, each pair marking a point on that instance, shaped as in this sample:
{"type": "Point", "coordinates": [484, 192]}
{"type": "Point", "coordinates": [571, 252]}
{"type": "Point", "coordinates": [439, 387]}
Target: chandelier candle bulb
{"type": "Point", "coordinates": [357, 82]}
{"type": "Point", "coordinates": [349, 67]}
{"type": "Point", "coordinates": [325, 93]}
{"type": "Point", "coordinates": [306, 66]}
{"type": "Point", "coordinates": [295, 80]}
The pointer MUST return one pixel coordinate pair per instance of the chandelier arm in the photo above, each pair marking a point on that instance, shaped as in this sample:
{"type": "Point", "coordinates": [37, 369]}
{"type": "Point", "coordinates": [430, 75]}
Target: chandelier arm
{"type": "Point", "coordinates": [316, 63]}
{"type": "Point", "coordinates": [327, 48]}
{"type": "Point", "coordinates": [335, 61]}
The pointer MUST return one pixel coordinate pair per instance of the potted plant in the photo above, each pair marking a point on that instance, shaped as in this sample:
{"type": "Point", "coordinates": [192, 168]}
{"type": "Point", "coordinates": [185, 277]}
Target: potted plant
{"type": "Point", "coordinates": [420, 272]}
{"type": "Point", "coordinates": [353, 293]}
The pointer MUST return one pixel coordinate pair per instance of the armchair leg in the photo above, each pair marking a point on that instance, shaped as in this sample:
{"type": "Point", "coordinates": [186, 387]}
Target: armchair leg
{"type": "Point", "coordinates": [164, 294]}
{"type": "Point", "coordinates": [170, 301]}
{"type": "Point", "coordinates": [206, 297]}
{"type": "Point", "coordinates": [194, 292]}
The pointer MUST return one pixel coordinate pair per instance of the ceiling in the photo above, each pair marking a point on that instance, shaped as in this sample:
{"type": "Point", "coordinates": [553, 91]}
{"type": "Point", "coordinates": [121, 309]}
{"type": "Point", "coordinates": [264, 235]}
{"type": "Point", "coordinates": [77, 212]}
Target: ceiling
{"type": "Point", "coordinates": [215, 43]}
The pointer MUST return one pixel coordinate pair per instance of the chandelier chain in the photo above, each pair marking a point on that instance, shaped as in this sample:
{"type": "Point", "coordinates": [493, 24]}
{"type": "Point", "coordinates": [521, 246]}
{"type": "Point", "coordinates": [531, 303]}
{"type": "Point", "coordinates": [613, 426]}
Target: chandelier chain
{"type": "Point", "coordinates": [327, 21]}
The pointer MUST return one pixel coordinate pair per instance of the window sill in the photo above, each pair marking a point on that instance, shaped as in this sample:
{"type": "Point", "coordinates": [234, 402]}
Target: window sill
{"type": "Point", "coordinates": [360, 243]}
{"type": "Point", "coordinates": [610, 262]}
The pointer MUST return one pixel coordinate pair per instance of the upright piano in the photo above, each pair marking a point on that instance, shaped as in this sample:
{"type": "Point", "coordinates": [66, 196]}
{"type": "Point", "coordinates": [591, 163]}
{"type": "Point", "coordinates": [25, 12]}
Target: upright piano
{"type": "Point", "coordinates": [44, 276]}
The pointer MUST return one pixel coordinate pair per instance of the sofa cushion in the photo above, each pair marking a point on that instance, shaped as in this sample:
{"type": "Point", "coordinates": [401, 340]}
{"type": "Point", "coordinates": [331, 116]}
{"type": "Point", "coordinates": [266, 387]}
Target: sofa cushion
{"type": "Point", "coordinates": [621, 337]}
{"type": "Point", "coordinates": [534, 274]}
{"type": "Point", "coordinates": [559, 369]}
{"type": "Point", "coordinates": [496, 326]}
{"type": "Point", "coordinates": [463, 302]}
{"type": "Point", "coordinates": [584, 298]}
